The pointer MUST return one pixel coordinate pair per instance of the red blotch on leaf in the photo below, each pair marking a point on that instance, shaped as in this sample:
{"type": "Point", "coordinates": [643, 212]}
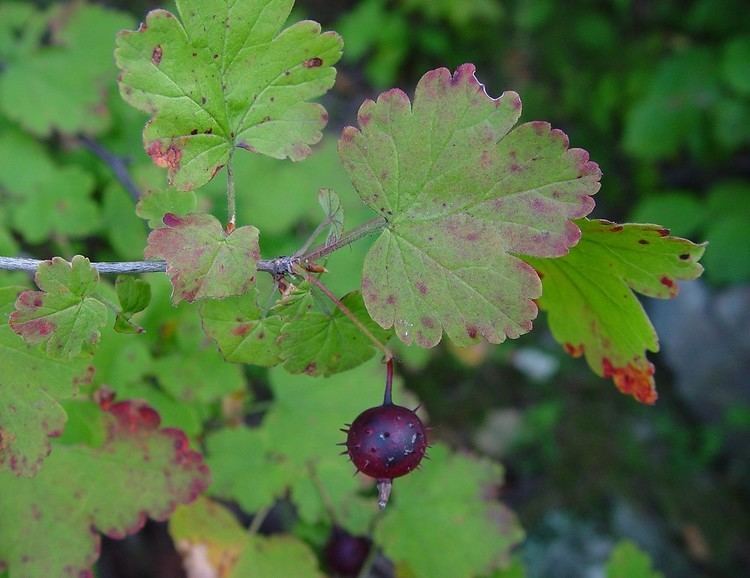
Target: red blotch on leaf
{"type": "Point", "coordinates": [313, 62]}
{"type": "Point", "coordinates": [168, 159]}
{"type": "Point", "coordinates": [156, 54]}
{"type": "Point", "coordinates": [573, 350]}
{"type": "Point", "coordinates": [663, 232]}
{"type": "Point", "coordinates": [242, 330]}
{"type": "Point", "coordinates": [134, 416]}
{"type": "Point", "coordinates": [633, 380]}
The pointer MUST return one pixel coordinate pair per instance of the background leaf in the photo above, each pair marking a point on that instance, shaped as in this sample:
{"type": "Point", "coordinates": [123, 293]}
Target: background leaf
{"type": "Point", "coordinates": [54, 513]}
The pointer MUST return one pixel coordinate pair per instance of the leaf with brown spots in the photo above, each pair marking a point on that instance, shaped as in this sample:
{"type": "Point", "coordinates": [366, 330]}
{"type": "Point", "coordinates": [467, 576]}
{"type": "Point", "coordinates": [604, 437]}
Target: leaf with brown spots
{"type": "Point", "coordinates": [202, 260]}
{"type": "Point", "coordinates": [588, 295]}
{"type": "Point", "coordinates": [31, 387]}
{"type": "Point", "coordinates": [137, 470]}
{"type": "Point", "coordinates": [224, 75]}
{"type": "Point", "coordinates": [462, 192]}
{"type": "Point", "coordinates": [64, 315]}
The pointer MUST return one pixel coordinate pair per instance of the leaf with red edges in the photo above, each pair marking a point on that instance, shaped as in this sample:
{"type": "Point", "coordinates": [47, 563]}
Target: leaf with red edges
{"type": "Point", "coordinates": [49, 522]}
{"type": "Point", "coordinates": [589, 297]}
{"type": "Point", "coordinates": [64, 315]}
{"type": "Point", "coordinates": [31, 386]}
{"type": "Point", "coordinates": [202, 260]}
{"type": "Point", "coordinates": [462, 193]}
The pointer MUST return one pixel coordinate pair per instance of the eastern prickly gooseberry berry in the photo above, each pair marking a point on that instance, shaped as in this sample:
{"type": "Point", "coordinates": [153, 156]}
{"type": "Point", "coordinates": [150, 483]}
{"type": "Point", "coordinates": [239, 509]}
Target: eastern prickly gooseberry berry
{"type": "Point", "coordinates": [346, 554]}
{"type": "Point", "coordinates": [386, 442]}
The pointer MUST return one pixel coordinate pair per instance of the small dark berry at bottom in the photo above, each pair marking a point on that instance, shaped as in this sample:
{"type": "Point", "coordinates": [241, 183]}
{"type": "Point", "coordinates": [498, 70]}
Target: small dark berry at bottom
{"type": "Point", "coordinates": [346, 554]}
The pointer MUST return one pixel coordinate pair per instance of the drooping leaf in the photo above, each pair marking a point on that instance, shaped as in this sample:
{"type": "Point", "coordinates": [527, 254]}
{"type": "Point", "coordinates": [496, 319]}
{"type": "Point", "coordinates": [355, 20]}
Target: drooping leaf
{"type": "Point", "coordinates": [64, 314]}
{"type": "Point", "coordinates": [334, 212]}
{"type": "Point", "coordinates": [323, 343]}
{"type": "Point", "coordinates": [241, 330]}
{"type": "Point", "coordinates": [222, 76]}
{"type": "Point", "coordinates": [50, 521]}
{"type": "Point", "coordinates": [212, 542]}
{"type": "Point", "coordinates": [456, 492]}
{"type": "Point", "coordinates": [62, 84]}
{"type": "Point", "coordinates": [588, 295]}
{"type": "Point", "coordinates": [31, 386]}
{"type": "Point", "coordinates": [202, 260]}
{"type": "Point", "coordinates": [461, 193]}
{"type": "Point", "coordinates": [629, 561]}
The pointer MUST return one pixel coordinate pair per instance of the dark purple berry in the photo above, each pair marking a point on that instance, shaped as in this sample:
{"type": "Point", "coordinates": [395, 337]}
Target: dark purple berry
{"type": "Point", "coordinates": [387, 441]}
{"type": "Point", "coordinates": [346, 554]}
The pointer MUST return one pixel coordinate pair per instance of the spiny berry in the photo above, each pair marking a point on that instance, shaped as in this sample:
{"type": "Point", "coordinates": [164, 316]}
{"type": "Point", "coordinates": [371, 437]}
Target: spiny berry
{"type": "Point", "coordinates": [346, 554]}
{"type": "Point", "coordinates": [386, 442]}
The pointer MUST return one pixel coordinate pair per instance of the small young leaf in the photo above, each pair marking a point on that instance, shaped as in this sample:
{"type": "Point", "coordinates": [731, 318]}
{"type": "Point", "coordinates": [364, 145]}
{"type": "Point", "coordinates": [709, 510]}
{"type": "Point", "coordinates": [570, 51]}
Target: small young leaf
{"type": "Point", "coordinates": [134, 294]}
{"type": "Point", "coordinates": [202, 260]}
{"type": "Point", "coordinates": [331, 205]}
{"type": "Point", "coordinates": [60, 85]}
{"type": "Point", "coordinates": [456, 492]}
{"type": "Point", "coordinates": [31, 385]}
{"type": "Point", "coordinates": [461, 193]}
{"type": "Point", "coordinates": [629, 561]}
{"type": "Point", "coordinates": [223, 76]}
{"type": "Point", "coordinates": [210, 539]}
{"type": "Point", "coordinates": [588, 295]}
{"type": "Point", "coordinates": [64, 314]}
{"type": "Point", "coordinates": [322, 343]}
{"type": "Point", "coordinates": [241, 331]}
{"type": "Point", "coordinates": [139, 471]}
{"type": "Point", "coordinates": [154, 204]}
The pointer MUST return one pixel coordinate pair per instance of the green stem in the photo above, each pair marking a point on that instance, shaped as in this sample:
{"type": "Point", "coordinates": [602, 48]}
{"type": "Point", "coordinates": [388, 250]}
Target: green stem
{"type": "Point", "coordinates": [258, 519]}
{"type": "Point", "coordinates": [231, 200]}
{"type": "Point", "coordinates": [347, 238]}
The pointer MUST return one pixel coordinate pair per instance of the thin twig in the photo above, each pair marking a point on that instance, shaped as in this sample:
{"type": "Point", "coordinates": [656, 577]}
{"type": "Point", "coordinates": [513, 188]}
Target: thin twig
{"type": "Point", "coordinates": [118, 268]}
{"type": "Point", "coordinates": [258, 519]}
{"type": "Point", "coordinates": [118, 165]}
{"type": "Point", "coordinates": [324, 497]}
{"type": "Point", "coordinates": [372, 555]}
{"type": "Point", "coordinates": [273, 266]}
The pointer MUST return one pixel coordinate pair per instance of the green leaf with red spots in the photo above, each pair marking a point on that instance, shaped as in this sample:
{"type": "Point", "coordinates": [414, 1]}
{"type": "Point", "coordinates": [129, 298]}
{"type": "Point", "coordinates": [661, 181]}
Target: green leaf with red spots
{"type": "Point", "coordinates": [136, 471]}
{"type": "Point", "coordinates": [203, 261]}
{"type": "Point", "coordinates": [224, 76]}
{"type": "Point", "coordinates": [31, 387]}
{"type": "Point", "coordinates": [60, 82]}
{"type": "Point", "coordinates": [462, 193]}
{"type": "Point", "coordinates": [588, 295]}
{"type": "Point", "coordinates": [242, 331]}
{"type": "Point", "coordinates": [452, 491]}
{"type": "Point", "coordinates": [64, 315]}
{"type": "Point", "coordinates": [212, 543]}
